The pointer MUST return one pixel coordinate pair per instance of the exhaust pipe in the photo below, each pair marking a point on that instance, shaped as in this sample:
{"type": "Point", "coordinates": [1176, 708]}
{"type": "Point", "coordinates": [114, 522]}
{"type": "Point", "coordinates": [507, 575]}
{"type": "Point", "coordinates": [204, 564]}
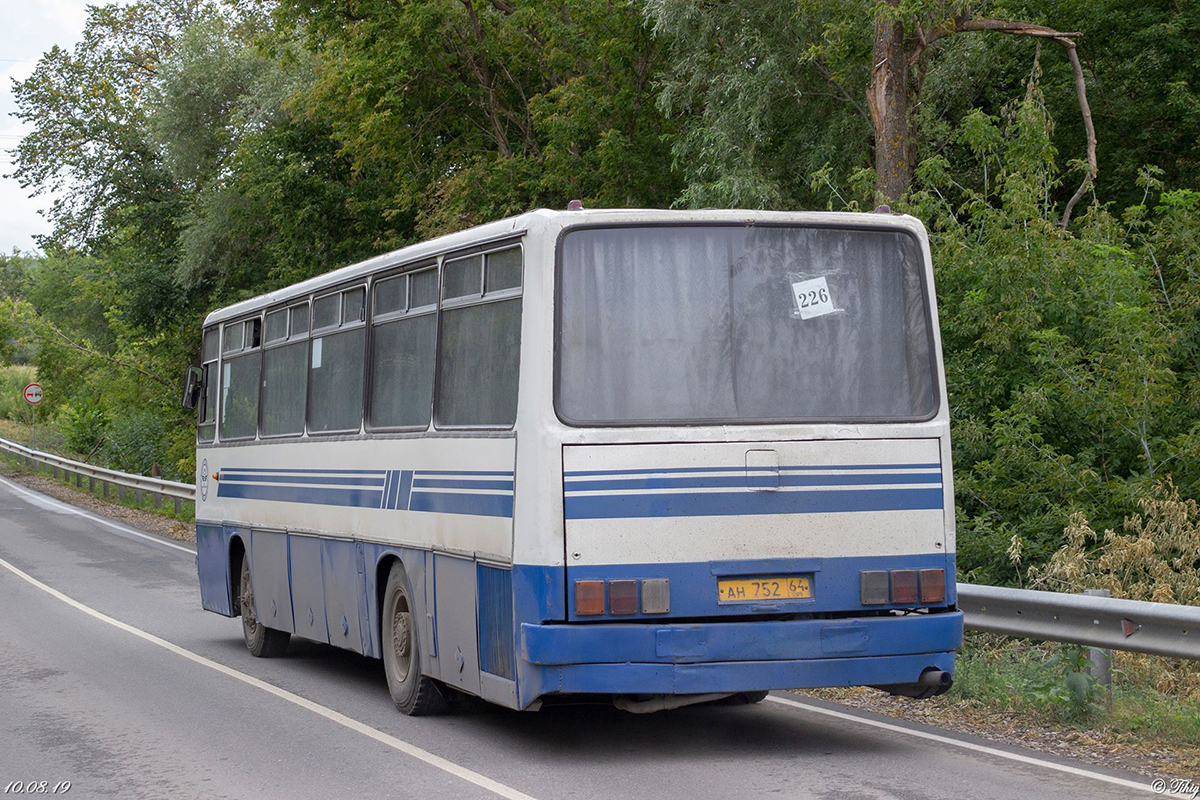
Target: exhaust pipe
{"type": "Point", "coordinates": [936, 679]}
{"type": "Point", "coordinates": [932, 682]}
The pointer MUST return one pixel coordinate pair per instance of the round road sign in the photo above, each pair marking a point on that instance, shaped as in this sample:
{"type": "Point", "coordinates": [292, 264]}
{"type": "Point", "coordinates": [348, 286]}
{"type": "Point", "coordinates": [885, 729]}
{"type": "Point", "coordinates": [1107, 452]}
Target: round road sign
{"type": "Point", "coordinates": [33, 394]}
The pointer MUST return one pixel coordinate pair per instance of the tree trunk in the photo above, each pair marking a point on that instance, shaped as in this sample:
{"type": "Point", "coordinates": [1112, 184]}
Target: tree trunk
{"type": "Point", "coordinates": [888, 99]}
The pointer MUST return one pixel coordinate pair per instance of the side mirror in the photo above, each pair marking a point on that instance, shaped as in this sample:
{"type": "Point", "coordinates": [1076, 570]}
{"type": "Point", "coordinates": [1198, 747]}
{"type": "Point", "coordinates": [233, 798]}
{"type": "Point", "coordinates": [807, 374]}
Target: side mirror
{"type": "Point", "coordinates": [191, 388]}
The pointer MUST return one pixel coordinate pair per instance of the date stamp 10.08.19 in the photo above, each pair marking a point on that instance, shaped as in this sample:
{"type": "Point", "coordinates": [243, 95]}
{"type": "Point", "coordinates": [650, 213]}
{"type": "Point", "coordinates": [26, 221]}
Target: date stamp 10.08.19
{"type": "Point", "coordinates": [37, 787]}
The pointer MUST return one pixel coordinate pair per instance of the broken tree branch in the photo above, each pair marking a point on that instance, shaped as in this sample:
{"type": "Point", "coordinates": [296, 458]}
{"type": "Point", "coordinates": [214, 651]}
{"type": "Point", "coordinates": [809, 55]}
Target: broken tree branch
{"type": "Point", "coordinates": [1067, 40]}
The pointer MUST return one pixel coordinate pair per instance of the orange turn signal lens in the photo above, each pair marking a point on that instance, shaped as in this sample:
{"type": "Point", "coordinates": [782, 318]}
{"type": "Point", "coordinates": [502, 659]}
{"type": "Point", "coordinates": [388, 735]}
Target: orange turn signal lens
{"type": "Point", "coordinates": [589, 598]}
{"type": "Point", "coordinates": [933, 585]}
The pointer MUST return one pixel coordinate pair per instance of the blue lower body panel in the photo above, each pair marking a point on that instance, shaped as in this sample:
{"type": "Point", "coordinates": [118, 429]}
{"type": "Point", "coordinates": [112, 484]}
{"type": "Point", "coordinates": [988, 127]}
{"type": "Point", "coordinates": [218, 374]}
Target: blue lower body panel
{"type": "Point", "coordinates": [746, 676]}
{"type": "Point", "coordinates": [734, 656]}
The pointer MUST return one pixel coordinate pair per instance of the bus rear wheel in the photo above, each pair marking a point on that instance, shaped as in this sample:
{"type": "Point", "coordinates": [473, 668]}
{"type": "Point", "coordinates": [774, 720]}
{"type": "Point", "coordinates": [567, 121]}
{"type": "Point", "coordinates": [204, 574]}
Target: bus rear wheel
{"type": "Point", "coordinates": [414, 694]}
{"type": "Point", "coordinates": [261, 641]}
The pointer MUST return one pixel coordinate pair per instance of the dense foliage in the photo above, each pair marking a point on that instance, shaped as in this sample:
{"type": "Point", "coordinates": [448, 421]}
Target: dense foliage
{"type": "Point", "coordinates": [208, 151]}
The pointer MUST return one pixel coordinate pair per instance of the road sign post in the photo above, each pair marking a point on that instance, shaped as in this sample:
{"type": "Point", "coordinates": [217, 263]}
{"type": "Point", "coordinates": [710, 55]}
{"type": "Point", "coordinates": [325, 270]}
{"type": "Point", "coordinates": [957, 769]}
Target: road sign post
{"type": "Point", "coordinates": [33, 395]}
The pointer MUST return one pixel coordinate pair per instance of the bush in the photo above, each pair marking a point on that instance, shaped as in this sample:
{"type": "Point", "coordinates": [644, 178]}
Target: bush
{"type": "Point", "coordinates": [135, 443]}
{"type": "Point", "coordinates": [1157, 558]}
{"type": "Point", "coordinates": [12, 380]}
{"type": "Point", "coordinates": [83, 429]}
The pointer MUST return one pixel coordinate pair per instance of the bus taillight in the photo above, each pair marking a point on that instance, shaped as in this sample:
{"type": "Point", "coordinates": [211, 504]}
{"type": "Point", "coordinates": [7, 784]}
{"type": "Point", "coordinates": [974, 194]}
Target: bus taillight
{"type": "Point", "coordinates": [933, 585]}
{"type": "Point", "coordinates": [589, 598]}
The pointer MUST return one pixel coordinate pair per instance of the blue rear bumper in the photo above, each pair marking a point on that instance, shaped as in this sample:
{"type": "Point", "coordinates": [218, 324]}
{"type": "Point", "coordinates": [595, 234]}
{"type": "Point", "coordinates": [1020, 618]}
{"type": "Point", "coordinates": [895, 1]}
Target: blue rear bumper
{"type": "Point", "coordinates": [734, 656]}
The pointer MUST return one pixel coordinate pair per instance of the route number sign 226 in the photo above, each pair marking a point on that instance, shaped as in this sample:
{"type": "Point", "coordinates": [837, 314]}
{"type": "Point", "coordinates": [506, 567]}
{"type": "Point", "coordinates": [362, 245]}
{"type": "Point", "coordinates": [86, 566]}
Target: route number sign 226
{"type": "Point", "coordinates": [33, 394]}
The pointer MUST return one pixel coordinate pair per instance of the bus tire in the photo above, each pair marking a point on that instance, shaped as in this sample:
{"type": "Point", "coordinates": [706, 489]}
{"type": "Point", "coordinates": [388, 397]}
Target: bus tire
{"type": "Point", "coordinates": [414, 694]}
{"type": "Point", "coordinates": [261, 641]}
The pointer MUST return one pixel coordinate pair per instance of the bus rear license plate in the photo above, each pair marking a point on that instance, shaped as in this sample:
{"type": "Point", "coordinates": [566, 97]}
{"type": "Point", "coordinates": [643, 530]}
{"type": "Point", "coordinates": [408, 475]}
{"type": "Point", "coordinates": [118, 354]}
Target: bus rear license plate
{"type": "Point", "coordinates": [775, 587]}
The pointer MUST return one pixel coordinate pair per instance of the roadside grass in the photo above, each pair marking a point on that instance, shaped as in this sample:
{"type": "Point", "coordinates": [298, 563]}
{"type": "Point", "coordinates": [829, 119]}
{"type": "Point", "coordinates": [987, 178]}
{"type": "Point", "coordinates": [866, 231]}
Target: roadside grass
{"type": "Point", "coordinates": [115, 495]}
{"type": "Point", "coordinates": [1018, 692]}
{"type": "Point", "coordinates": [1152, 699]}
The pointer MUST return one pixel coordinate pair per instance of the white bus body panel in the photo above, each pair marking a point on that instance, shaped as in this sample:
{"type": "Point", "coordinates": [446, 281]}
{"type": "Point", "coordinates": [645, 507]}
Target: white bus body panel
{"type": "Point", "coordinates": [638, 504]}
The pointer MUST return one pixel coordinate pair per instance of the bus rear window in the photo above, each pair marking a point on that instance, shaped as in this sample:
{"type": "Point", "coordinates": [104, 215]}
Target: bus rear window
{"type": "Point", "coordinates": [693, 324]}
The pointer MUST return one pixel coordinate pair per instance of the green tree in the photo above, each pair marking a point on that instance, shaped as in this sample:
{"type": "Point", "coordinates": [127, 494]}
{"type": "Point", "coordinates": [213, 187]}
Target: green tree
{"type": "Point", "coordinates": [477, 110]}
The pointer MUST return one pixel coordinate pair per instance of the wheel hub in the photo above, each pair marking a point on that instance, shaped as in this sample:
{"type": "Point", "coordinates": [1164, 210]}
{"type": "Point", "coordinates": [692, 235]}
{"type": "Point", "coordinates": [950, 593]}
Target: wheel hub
{"type": "Point", "coordinates": [402, 642]}
{"type": "Point", "coordinates": [247, 600]}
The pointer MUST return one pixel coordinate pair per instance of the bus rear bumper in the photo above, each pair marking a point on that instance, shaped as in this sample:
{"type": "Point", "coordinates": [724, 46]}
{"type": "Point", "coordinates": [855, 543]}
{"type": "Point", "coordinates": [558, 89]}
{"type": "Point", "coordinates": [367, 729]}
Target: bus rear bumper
{"type": "Point", "coordinates": [737, 657]}
{"type": "Point", "coordinates": [743, 676]}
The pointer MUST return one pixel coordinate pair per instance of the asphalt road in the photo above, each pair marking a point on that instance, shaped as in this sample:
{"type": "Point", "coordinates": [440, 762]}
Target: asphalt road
{"type": "Point", "coordinates": [113, 678]}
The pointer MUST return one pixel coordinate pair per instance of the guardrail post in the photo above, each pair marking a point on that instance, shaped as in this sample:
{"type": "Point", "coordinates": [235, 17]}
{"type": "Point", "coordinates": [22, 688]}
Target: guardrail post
{"type": "Point", "coordinates": [91, 483]}
{"type": "Point", "coordinates": [157, 500]}
{"type": "Point", "coordinates": [1099, 660]}
{"type": "Point", "coordinates": [137, 495]}
{"type": "Point", "coordinates": [105, 485]}
{"type": "Point", "coordinates": [55, 472]}
{"type": "Point", "coordinates": [178, 506]}
{"type": "Point", "coordinates": [78, 480]}
{"type": "Point", "coordinates": [121, 492]}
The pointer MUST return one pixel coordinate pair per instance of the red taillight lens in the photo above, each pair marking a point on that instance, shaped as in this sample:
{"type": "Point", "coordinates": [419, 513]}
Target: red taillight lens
{"type": "Point", "coordinates": [622, 597]}
{"type": "Point", "coordinates": [589, 598]}
{"type": "Point", "coordinates": [933, 585]}
{"type": "Point", "coordinates": [904, 586]}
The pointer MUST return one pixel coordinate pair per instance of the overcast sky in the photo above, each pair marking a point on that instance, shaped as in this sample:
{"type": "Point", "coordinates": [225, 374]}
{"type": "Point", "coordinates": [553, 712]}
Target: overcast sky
{"type": "Point", "coordinates": [28, 28]}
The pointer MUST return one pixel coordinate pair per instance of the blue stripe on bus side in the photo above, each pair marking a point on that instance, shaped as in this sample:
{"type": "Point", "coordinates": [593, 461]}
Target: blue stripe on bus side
{"type": "Point", "coordinates": [480, 505]}
{"type": "Point", "coordinates": [404, 490]}
{"type": "Point", "coordinates": [436, 483]}
{"type": "Point", "coordinates": [722, 504]}
{"type": "Point", "coordinates": [315, 495]}
{"type": "Point", "coordinates": [281, 470]}
{"type": "Point", "coordinates": [705, 482]}
{"type": "Point", "coordinates": [330, 480]}
{"type": "Point", "coordinates": [387, 489]}
{"type": "Point", "coordinates": [739, 467]}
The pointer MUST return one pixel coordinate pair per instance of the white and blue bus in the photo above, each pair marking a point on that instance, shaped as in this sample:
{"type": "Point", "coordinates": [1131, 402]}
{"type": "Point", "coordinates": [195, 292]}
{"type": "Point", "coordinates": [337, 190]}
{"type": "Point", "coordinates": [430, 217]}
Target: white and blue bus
{"type": "Point", "coordinates": [657, 457]}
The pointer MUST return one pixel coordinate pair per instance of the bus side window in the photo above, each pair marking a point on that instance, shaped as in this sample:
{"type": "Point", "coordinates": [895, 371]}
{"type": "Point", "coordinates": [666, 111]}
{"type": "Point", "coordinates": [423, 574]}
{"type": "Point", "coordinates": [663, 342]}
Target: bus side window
{"type": "Point", "coordinates": [240, 365]}
{"type": "Point", "coordinates": [206, 414]}
{"type": "Point", "coordinates": [480, 341]}
{"type": "Point", "coordinates": [285, 375]}
{"type": "Point", "coordinates": [402, 350]}
{"type": "Point", "coordinates": [336, 363]}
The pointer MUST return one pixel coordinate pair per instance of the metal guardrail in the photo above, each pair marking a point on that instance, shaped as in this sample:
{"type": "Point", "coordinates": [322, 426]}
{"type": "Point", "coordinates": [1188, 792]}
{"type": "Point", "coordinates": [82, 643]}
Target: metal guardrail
{"type": "Point", "coordinates": [1111, 623]}
{"type": "Point", "coordinates": [140, 484]}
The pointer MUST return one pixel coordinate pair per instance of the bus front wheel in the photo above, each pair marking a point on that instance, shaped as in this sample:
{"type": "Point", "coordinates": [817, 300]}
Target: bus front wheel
{"type": "Point", "coordinates": [261, 641]}
{"type": "Point", "coordinates": [413, 693]}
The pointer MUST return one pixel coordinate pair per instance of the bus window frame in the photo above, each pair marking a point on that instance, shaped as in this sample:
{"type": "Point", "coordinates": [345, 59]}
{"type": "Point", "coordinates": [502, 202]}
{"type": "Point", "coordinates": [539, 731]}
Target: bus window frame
{"type": "Point", "coordinates": [202, 405]}
{"type": "Point", "coordinates": [466, 301]}
{"type": "Point", "coordinates": [244, 352]}
{"type": "Point", "coordinates": [290, 339]}
{"type": "Point", "coordinates": [375, 320]}
{"type": "Point", "coordinates": [935, 354]}
{"type": "Point", "coordinates": [314, 333]}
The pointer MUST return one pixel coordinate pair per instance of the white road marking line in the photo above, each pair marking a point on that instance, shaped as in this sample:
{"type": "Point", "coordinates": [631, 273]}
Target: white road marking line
{"type": "Point", "coordinates": [979, 748]}
{"type": "Point", "coordinates": [37, 498]}
{"type": "Point", "coordinates": [341, 719]}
